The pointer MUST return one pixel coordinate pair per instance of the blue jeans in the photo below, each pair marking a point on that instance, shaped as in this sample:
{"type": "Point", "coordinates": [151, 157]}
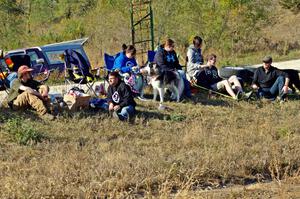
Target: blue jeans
{"type": "Point", "coordinates": [275, 90]}
{"type": "Point", "coordinates": [187, 88]}
{"type": "Point", "coordinates": [126, 112]}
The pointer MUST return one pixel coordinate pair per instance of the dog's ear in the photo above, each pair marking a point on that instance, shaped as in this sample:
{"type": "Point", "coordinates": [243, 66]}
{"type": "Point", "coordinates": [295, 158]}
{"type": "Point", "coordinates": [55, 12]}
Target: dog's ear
{"type": "Point", "coordinates": [151, 64]}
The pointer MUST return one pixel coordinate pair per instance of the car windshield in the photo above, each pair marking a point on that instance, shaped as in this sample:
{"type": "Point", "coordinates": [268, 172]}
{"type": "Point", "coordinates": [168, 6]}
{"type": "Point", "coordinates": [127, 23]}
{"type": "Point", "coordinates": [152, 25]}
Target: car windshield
{"type": "Point", "coordinates": [54, 57]}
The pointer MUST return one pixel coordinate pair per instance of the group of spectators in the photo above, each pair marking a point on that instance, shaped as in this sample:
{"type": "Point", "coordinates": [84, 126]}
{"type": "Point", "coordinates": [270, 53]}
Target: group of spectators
{"type": "Point", "coordinates": [268, 81]}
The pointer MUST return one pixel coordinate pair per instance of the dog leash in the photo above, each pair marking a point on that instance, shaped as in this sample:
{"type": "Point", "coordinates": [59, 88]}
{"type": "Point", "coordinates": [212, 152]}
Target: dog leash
{"type": "Point", "coordinates": [212, 91]}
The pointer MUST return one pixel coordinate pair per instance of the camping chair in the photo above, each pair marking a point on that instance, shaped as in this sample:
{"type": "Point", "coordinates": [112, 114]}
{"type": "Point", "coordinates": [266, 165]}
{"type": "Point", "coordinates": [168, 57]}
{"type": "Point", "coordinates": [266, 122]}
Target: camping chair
{"type": "Point", "coordinates": [109, 61]}
{"type": "Point", "coordinates": [151, 55]}
{"type": "Point", "coordinates": [77, 70]}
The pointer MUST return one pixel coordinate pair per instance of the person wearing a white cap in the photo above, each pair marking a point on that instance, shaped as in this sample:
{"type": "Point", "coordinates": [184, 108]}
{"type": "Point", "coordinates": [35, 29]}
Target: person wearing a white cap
{"type": "Point", "coordinates": [26, 92]}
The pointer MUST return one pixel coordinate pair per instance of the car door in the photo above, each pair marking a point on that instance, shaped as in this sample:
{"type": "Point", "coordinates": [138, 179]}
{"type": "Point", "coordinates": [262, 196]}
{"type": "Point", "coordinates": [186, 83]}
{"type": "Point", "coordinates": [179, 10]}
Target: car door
{"type": "Point", "coordinates": [37, 60]}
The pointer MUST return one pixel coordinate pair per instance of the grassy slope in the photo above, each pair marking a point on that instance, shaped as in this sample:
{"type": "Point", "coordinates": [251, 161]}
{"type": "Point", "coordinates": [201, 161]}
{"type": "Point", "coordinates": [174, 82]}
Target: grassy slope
{"type": "Point", "coordinates": [207, 145]}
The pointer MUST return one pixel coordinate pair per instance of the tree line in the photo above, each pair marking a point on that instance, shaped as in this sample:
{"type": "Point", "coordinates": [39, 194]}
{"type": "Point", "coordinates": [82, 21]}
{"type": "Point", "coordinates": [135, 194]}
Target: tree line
{"type": "Point", "coordinates": [227, 26]}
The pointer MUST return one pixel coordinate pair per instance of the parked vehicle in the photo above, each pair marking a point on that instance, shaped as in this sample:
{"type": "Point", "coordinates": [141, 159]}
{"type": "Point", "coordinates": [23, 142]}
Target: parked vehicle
{"type": "Point", "coordinates": [42, 59]}
{"type": "Point", "coordinates": [48, 57]}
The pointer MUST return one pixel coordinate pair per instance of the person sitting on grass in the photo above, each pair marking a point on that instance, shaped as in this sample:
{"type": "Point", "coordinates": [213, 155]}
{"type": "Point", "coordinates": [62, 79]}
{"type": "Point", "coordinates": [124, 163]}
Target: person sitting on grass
{"type": "Point", "coordinates": [26, 92]}
{"type": "Point", "coordinates": [120, 98]}
{"type": "Point", "coordinates": [269, 81]}
{"type": "Point", "coordinates": [210, 79]}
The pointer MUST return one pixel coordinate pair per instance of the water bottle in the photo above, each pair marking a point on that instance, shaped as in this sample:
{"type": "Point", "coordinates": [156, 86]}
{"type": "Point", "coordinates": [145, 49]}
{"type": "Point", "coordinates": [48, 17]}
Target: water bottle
{"type": "Point", "coordinates": [97, 90]}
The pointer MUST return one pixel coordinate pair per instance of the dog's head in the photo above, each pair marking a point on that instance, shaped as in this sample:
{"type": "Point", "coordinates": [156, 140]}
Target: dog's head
{"type": "Point", "coordinates": [151, 69]}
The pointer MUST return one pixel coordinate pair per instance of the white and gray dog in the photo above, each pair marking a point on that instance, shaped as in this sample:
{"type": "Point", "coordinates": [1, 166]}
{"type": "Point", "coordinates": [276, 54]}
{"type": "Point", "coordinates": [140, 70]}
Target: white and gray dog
{"type": "Point", "coordinates": [161, 81]}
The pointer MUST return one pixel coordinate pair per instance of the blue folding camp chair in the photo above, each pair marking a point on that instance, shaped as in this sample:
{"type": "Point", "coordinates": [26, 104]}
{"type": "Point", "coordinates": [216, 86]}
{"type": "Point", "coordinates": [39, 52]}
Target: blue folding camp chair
{"type": "Point", "coordinates": [109, 61]}
{"type": "Point", "coordinates": [151, 55]}
{"type": "Point", "coordinates": [77, 70]}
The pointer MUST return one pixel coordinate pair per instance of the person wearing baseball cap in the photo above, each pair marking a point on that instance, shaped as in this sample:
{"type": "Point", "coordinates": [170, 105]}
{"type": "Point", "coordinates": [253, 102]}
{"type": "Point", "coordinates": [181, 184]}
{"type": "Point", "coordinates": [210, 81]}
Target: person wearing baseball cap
{"type": "Point", "coordinates": [270, 81]}
{"type": "Point", "coordinates": [26, 92]}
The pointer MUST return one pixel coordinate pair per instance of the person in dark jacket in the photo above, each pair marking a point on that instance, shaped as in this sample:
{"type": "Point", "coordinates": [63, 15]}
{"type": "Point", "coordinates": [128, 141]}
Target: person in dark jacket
{"type": "Point", "coordinates": [270, 81]}
{"type": "Point", "coordinates": [167, 60]}
{"type": "Point", "coordinates": [166, 57]}
{"type": "Point", "coordinates": [120, 98]}
{"type": "Point", "coordinates": [210, 79]}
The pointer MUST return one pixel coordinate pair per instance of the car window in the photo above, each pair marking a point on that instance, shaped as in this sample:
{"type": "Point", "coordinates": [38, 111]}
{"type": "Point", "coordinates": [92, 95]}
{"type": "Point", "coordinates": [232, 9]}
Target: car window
{"type": "Point", "coordinates": [33, 57]}
{"type": "Point", "coordinates": [54, 57]}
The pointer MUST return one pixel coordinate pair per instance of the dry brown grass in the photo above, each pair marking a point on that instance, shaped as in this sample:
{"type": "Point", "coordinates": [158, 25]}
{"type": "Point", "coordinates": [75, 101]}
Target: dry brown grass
{"type": "Point", "coordinates": [176, 153]}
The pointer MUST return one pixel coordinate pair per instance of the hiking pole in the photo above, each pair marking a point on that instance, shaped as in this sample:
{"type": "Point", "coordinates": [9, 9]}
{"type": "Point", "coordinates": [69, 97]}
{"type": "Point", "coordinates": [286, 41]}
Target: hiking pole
{"type": "Point", "coordinates": [209, 90]}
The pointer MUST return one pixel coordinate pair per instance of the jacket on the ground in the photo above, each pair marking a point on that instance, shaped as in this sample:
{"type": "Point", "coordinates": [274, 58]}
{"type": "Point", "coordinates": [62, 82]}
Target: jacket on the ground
{"type": "Point", "coordinates": [166, 61]}
{"type": "Point", "coordinates": [120, 94]}
{"type": "Point", "coordinates": [194, 60]}
{"type": "Point", "coordinates": [123, 63]}
{"type": "Point", "coordinates": [266, 80]}
{"type": "Point", "coordinates": [208, 77]}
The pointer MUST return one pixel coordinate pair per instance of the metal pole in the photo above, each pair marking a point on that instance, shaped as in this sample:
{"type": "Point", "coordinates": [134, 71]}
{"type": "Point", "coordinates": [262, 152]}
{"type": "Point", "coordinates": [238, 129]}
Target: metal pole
{"type": "Point", "coordinates": [132, 23]}
{"type": "Point", "coordinates": [151, 26]}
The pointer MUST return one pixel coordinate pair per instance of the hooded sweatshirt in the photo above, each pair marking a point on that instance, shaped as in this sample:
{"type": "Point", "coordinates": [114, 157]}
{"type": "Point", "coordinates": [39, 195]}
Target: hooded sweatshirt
{"type": "Point", "coordinates": [121, 95]}
{"type": "Point", "coordinates": [208, 76]}
{"type": "Point", "coordinates": [123, 63]}
{"type": "Point", "coordinates": [166, 61]}
{"type": "Point", "coordinates": [195, 59]}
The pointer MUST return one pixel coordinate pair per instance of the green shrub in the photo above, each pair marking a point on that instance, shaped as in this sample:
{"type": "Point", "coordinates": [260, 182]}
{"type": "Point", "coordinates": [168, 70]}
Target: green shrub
{"type": "Point", "coordinates": [22, 132]}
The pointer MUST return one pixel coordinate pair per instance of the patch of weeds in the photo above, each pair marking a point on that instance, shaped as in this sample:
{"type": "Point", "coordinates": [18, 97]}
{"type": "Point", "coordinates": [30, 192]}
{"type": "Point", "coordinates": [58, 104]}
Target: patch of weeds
{"type": "Point", "coordinates": [22, 132]}
{"type": "Point", "coordinates": [282, 133]}
{"type": "Point", "coordinates": [176, 118]}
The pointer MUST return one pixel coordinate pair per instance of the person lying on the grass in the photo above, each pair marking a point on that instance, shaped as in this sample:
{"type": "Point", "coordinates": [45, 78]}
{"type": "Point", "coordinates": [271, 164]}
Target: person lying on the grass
{"type": "Point", "coordinates": [194, 58]}
{"type": "Point", "coordinates": [270, 81]}
{"type": "Point", "coordinates": [166, 59]}
{"type": "Point", "coordinates": [26, 92]}
{"type": "Point", "coordinates": [120, 98]}
{"type": "Point", "coordinates": [210, 79]}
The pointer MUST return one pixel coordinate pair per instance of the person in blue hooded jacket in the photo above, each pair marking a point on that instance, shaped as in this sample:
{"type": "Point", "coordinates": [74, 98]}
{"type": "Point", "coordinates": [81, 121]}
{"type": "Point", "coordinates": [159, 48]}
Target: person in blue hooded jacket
{"type": "Point", "coordinates": [126, 60]}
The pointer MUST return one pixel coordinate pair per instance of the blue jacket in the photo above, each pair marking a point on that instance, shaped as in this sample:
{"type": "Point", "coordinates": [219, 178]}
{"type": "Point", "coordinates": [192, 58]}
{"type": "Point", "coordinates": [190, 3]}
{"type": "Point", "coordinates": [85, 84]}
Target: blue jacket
{"type": "Point", "coordinates": [123, 63]}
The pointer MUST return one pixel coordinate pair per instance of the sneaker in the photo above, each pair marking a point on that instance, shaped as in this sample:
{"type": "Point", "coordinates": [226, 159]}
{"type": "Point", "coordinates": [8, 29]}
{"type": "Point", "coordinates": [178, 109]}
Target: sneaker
{"type": "Point", "coordinates": [281, 101]}
{"type": "Point", "coordinates": [283, 96]}
{"type": "Point", "coordinates": [115, 115]}
{"type": "Point", "coordinates": [238, 95]}
{"type": "Point", "coordinates": [142, 98]}
{"type": "Point", "coordinates": [48, 117]}
{"type": "Point", "coordinates": [248, 95]}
